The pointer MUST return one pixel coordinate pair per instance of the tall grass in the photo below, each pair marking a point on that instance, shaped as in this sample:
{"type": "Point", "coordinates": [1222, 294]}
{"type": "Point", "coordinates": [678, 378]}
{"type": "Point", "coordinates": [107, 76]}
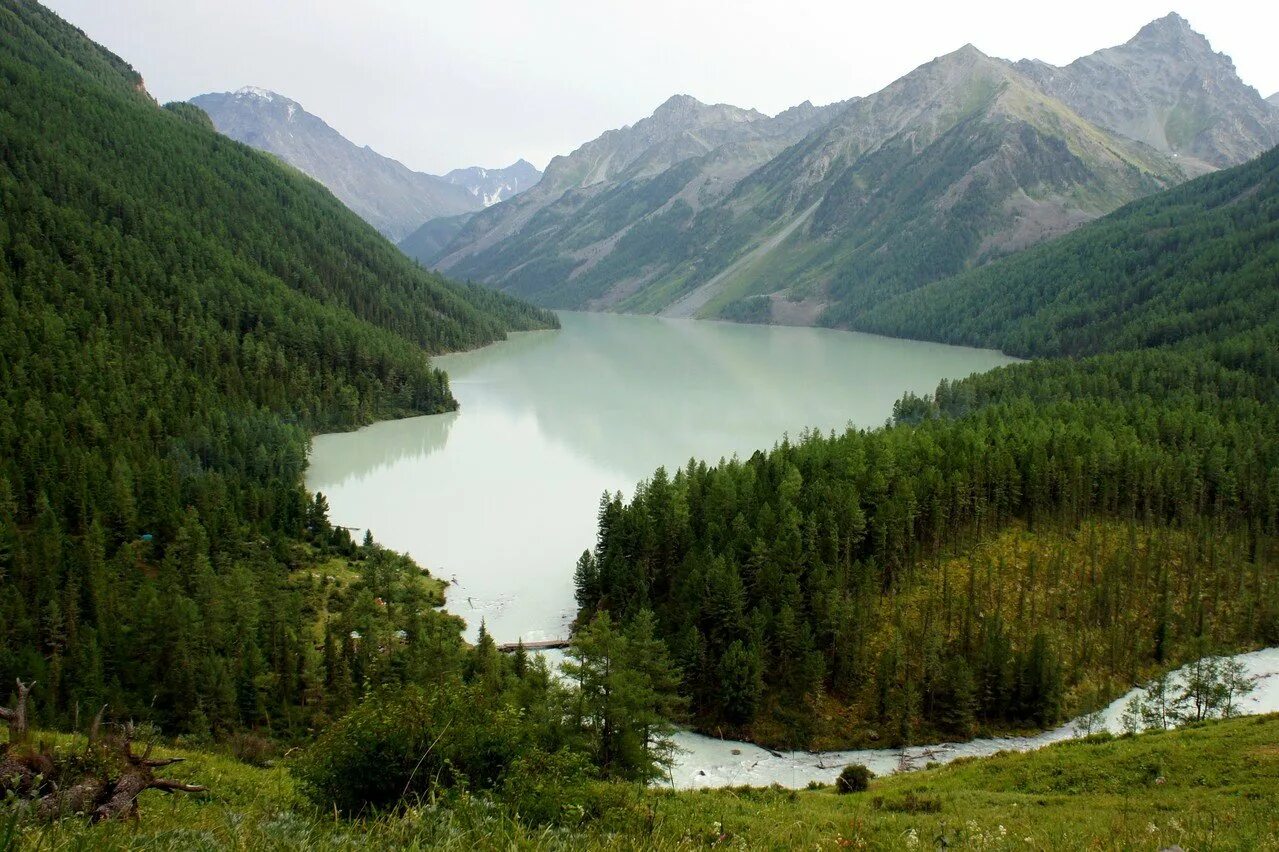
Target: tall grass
{"type": "Point", "coordinates": [1208, 786]}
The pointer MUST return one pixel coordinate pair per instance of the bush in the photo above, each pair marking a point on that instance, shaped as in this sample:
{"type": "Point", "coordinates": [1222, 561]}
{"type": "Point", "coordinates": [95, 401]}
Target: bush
{"type": "Point", "coordinates": [908, 804]}
{"type": "Point", "coordinates": [250, 748]}
{"type": "Point", "coordinates": [854, 779]}
{"type": "Point", "coordinates": [547, 788]}
{"type": "Point", "coordinates": [407, 743]}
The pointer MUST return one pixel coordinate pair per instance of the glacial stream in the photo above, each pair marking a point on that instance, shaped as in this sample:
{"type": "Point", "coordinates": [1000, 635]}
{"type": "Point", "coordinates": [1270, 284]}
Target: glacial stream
{"type": "Point", "coordinates": [708, 762]}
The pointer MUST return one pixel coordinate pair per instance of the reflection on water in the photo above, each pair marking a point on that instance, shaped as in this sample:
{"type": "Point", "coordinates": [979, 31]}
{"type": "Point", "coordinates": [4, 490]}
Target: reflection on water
{"type": "Point", "coordinates": [502, 495]}
{"type": "Point", "coordinates": [381, 445]}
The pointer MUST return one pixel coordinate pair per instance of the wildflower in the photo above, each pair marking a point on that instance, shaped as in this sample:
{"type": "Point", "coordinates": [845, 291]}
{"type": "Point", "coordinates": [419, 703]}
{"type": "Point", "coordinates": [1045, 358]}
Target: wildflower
{"type": "Point", "coordinates": [912, 838]}
{"type": "Point", "coordinates": [1003, 832]}
{"type": "Point", "coordinates": [1151, 828]}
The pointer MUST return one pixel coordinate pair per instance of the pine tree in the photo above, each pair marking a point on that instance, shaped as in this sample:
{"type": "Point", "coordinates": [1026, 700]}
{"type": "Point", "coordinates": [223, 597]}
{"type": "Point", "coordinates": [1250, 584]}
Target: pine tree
{"type": "Point", "coordinates": [741, 683]}
{"type": "Point", "coordinates": [586, 582]}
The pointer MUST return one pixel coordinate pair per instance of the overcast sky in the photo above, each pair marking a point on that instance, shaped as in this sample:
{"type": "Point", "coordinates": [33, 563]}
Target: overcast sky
{"type": "Point", "coordinates": [439, 85]}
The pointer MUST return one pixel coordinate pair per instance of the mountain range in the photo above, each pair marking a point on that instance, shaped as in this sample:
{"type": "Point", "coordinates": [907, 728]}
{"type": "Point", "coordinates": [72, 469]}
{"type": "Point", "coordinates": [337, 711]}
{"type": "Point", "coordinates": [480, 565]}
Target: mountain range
{"type": "Point", "coordinates": [493, 185]}
{"type": "Point", "coordinates": [819, 213]}
{"type": "Point", "coordinates": [385, 193]}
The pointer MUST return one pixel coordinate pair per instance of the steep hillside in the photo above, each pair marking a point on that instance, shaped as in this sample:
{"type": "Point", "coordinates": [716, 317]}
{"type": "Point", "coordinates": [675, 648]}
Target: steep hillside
{"type": "Point", "coordinates": [428, 242]}
{"type": "Point", "coordinates": [611, 199]}
{"type": "Point", "coordinates": [388, 195]}
{"type": "Point", "coordinates": [1183, 267]}
{"type": "Point", "coordinates": [1168, 88]}
{"type": "Point", "coordinates": [816, 215]}
{"type": "Point", "coordinates": [957, 163]}
{"type": "Point", "coordinates": [178, 311]}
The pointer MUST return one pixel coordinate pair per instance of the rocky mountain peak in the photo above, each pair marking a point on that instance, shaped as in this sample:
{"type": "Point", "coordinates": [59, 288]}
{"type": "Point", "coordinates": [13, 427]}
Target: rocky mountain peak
{"type": "Point", "coordinates": [679, 104]}
{"type": "Point", "coordinates": [494, 185]}
{"type": "Point", "coordinates": [256, 92]}
{"type": "Point", "coordinates": [1169, 31]}
{"type": "Point", "coordinates": [960, 64]}
{"type": "Point", "coordinates": [968, 53]}
{"type": "Point", "coordinates": [683, 112]}
{"type": "Point", "coordinates": [1166, 87]}
{"type": "Point", "coordinates": [1171, 39]}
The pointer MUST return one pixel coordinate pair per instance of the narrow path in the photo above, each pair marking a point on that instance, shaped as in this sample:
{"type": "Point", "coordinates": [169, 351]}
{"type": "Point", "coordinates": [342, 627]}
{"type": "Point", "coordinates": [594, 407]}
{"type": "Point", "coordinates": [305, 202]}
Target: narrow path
{"type": "Point", "coordinates": [689, 304]}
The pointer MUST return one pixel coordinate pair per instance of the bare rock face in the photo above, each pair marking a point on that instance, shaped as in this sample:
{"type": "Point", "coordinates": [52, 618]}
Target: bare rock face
{"type": "Point", "coordinates": [385, 193]}
{"type": "Point", "coordinates": [819, 213]}
{"type": "Point", "coordinates": [961, 160]}
{"type": "Point", "coordinates": [1168, 88]}
{"type": "Point", "coordinates": [681, 128]}
{"type": "Point", "coordinates": [713, 146]}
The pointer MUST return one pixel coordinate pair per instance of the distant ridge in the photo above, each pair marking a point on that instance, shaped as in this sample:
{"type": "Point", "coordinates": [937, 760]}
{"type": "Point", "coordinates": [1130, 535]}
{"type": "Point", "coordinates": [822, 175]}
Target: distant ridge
{"type": "Point", "coordinates": [385, 193]}
{"type": "Point", "coordinates": [818, 213]}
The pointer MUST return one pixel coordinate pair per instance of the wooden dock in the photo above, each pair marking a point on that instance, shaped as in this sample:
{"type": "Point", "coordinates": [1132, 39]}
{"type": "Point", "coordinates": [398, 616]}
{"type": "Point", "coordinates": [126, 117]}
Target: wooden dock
{"type": "Point", "coordinates": [543, 645]}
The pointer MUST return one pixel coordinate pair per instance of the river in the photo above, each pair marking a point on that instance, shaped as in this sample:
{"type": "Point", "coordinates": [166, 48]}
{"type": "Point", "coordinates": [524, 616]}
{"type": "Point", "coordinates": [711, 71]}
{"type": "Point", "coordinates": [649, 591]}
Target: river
{"type": "Point", "coordinates": [707, 762]}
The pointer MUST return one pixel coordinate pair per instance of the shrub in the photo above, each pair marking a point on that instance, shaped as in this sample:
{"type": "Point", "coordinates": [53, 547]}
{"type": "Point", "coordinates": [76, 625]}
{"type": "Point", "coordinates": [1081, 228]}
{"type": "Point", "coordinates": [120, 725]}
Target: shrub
{"type": "Point", "coordinates": [251, 748]}
{"type": "Point", "coordinates": [854, 779]}
{"type": "Point", "coordinates": [908, 804]}
{"type": "Point", "coordinates": [547, 788]}
{"type": "Point", "coordinates": [407, 743]}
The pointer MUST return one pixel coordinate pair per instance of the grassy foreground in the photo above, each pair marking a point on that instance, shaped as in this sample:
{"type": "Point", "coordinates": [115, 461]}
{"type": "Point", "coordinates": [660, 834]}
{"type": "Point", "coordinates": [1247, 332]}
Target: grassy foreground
{"type": "Point", "coordinates": [1210, 786]}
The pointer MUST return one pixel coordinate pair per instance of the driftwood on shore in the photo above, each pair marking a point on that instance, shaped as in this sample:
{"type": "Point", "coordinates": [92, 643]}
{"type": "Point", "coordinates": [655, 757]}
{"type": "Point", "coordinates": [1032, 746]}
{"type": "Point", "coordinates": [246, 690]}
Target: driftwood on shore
{"type": "Point", "coordinates": [103, 782]}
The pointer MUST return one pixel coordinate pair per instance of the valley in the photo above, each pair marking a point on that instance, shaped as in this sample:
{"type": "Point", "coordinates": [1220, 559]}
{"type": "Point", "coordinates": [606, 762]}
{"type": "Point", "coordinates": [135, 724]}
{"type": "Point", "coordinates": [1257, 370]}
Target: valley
{"type": "Point", "coordinates": [611, 504]}
{"type": "Point", "coordinates": [500, 497]}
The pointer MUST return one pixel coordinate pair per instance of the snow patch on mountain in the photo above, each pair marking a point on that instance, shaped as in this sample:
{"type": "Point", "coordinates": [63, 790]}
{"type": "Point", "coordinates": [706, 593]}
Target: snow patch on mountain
{"type": "Point", "coordinates": [255, 92]}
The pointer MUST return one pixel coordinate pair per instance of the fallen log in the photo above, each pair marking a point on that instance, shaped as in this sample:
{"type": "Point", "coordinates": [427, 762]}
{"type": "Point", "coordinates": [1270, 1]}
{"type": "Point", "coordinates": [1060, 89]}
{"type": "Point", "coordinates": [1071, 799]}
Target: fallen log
{"type": "Point", "coordinates": [108, 790]}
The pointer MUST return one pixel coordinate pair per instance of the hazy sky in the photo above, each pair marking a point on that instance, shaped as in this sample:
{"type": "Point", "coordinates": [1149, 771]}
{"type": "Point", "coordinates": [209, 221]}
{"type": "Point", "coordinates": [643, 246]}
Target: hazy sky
{"type": "Point", "coordinates": [440, 84]}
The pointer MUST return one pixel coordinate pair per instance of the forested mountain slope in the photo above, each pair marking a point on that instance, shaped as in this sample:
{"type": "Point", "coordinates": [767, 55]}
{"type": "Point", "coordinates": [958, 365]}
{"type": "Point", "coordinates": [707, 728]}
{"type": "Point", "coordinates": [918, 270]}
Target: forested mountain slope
{"type": "Point", "coordinates": [1188, 266]}
{"type": "Point", "coordinates": [1022, 545]}
{"type": "Point", "coordinates": [176, 312]}
{"type": "Point", "coordinates": [425, 244]}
